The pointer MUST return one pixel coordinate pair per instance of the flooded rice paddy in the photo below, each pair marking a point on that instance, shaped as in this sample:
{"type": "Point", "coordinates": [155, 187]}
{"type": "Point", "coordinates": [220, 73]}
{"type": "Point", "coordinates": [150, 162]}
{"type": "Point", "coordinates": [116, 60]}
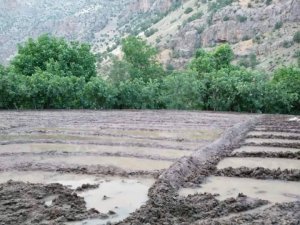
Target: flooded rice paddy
{"type": "Point", "coordinates": [272, 190]}
{"type": "Point", "coordinates": [106, 163]}
{"type": "Point", "coordinates": [271, 187]}
{"type": "Point", "coordinates": [113, 149]}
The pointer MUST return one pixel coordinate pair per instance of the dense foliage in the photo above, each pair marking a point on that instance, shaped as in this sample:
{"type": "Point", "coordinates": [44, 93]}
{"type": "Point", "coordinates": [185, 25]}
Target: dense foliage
{"type": "Point", "coordinates": [50, 73]}
{"type": "Point", "coordinates": [54, 55]}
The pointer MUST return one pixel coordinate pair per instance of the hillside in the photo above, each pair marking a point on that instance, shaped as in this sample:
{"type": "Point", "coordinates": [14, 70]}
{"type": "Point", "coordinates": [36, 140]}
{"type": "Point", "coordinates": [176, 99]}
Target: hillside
{"type": "Point", "coordinates": [260, 32]}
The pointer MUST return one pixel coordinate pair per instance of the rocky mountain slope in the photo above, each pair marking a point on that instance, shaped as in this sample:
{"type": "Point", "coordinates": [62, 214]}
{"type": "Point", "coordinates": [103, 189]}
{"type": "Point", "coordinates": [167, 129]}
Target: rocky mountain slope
{"type": "Point", "coordinates": [260, 31]}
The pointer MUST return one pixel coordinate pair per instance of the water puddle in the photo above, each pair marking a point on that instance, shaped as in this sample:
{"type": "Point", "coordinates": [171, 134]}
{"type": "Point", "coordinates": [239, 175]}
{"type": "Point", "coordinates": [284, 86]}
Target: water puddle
{"type": "Point", "coordinates": [253, 162]}
{"type": "Point", "coordinates": [120, 195]}
{"type": "Point", "coordinates": [271, 141]}
{"type": "Point", "coordinates": [297, 119]}
{"type": "Point", "coordinates": [105, 140]}
{"type": "Point", "coordinates": [126, 163]}
{"type": "Point", "coordinates": [271, 190]}
{"type": "Point", "coordinates": [264, 149]}
{"type": "Point", "coordinates": [49, 200]}
{"type": "Point", "coordinates": [72, 148]}
{"type": "Point", "coordinates": [283, 134]}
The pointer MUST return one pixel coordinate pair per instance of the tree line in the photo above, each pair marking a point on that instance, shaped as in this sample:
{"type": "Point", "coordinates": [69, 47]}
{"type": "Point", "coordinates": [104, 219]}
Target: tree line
{"type": "Point", "coordinates": [52, 73]}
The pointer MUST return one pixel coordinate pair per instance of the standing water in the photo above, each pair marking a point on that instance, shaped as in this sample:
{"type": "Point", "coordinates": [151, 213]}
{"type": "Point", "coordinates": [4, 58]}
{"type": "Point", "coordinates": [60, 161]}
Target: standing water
{"type": "Point", "coordinates": [119, 196]}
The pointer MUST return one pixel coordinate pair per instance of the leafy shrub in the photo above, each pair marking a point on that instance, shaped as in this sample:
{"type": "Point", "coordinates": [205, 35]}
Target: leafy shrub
{"type": "Point", "coordinates": [219, 4]}
{"type": "Point", "coordinates": [246, 38]}
{"type": "Point", "coordinates": [195, 16]}
{"type": "Point", "coordinates": [249, 61]}
{"type": "Point", "coordinates": [296, 37]}
{"type": "Point", "coordinates": [188, 10]}
{"type": "Point", "coordinates": [268, 2]}
{"type": "Point", "coordinates": [226, 18]}
{"type": "Point", "coordinates": [150, 32]}
{"type": "Point", "coordinates": [241, 18]}
{"type": "Point", "coordinates": [278, 25]}
{"type": "Point", "coordinates": [287, 44]}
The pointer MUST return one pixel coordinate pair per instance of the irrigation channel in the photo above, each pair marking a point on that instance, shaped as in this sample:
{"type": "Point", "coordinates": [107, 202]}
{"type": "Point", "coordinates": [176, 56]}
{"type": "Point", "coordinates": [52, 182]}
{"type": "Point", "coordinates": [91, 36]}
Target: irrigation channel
{"type": "Point", "coordinates": [148, 167]}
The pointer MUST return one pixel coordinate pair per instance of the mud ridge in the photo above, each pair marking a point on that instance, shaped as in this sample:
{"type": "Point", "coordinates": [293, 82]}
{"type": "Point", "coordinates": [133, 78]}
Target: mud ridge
{"type": "Point", "coordinates": [260, 173]}
{"type": "Point", "coordinates": [272, 136]}
{"type": "Point", "coordinates": [283, 145]}
{"type": "Point", "coordinates": [184, 211]}
{"type": "Point", "coordinates": [288, 155]}
{"type": "Point", "coordinates": [166, 207]}
{"type": "Point", "coordinates": [75, 169]}
{"type": "Point", "coordinates": [285, 213]}
{"type": "Point", "coordinates": [279, 129]}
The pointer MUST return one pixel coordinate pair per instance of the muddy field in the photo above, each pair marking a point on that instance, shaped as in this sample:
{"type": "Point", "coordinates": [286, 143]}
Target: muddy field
{"type": "Point", "coordinates": [148, 167]}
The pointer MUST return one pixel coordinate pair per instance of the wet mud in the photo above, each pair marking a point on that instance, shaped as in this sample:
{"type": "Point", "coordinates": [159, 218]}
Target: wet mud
{"type": "Point", "coordinates": [285, 213]}
{"type": "Point", "coordinates": [25, 203]}
{"type": "Point", "coordinates": [287, 155]}
{"type": "Point", "coordinates": [260, 173]}
{"type": "Point", "coordinates": [193, 171]}
{"type": "Point", "coordinates": [177, 210]}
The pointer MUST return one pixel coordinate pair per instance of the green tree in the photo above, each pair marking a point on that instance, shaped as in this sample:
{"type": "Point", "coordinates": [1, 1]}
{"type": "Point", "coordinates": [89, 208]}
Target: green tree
{"type": "Point", "coordinates": [203, 62]}
{"type": "Point", "coordinates": [13, 90]}
{"type": "Point", "coordinates": [288, 79]}
{"type": "Point", "coordinates": [55, 55]}
{"type": "Point", "coordinates": [182, 90]}
{"type": "Point", "coordinates": [2, 70]}
{"type": "Point", "coordinates": [138, 94]}
{"type": "Point", "coordinates": [206, 62]}
{"type": "Point", "coordinates": [223, 56]}
{"type": "Point", "coordinates": [50, 91]}
{"type": "Point", "coordinates": [142, 59]}
{"type": "Point", "coordinates": [99, 94]}
{"type": "Point", "coordinates": [119, 71]}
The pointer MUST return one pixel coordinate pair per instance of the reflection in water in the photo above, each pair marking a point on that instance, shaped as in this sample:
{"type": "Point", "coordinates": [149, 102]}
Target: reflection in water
{"type": "Point", "coordinates": [271, 190]}
{"type": "Point", "coordinates": [120, 196]}
{"type": "Point", "coordinates": [271, 141]}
